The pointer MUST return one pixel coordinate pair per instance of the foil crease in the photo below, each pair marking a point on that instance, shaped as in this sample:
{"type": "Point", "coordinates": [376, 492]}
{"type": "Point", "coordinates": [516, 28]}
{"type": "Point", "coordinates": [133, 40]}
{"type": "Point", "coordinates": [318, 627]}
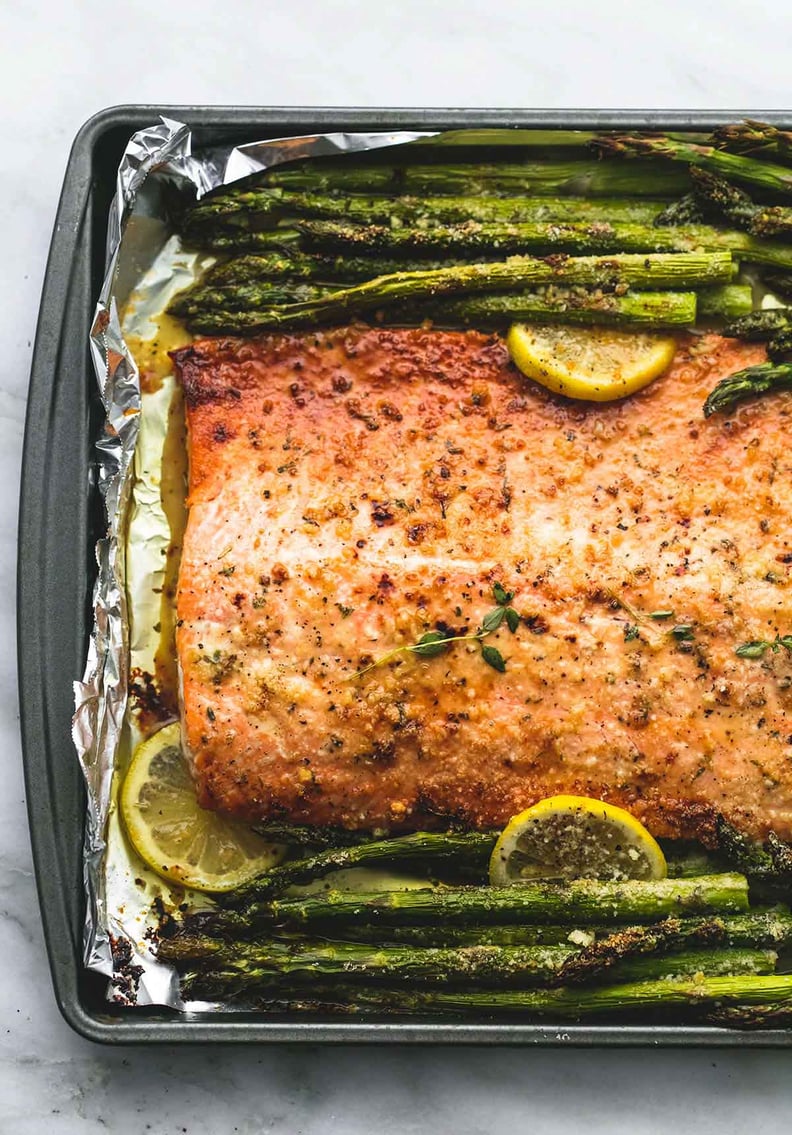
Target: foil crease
{"type": "Point", "coordinates": [143, 259]}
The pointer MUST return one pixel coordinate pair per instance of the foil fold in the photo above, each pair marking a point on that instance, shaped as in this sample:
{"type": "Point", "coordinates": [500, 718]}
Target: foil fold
{"type": "Point", "coordinates": [146, 265]}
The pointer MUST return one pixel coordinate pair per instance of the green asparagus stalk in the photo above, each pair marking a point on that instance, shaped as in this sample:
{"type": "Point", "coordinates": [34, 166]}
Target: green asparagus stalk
{"type": "Point", "coordinates": [245, 213]}
{"type": "Point", "coordinates": [556, 305]}
{"type": "Point", "coordinates": [518, 271]}
{"type": "Point", "coordinates": [244, 970]}
{"type": "Point", "coordinates": [751, 137]}
{"type": "Point", "coordinates": [268, 240]}
{"type": "Point", "coordinates": [246, 296]}
{"type": "Point", "coordinates": [296, 265]}
{"type": "Point", "coordinates": [720, 198]}
{"type": "Point", "coordinates": [426, 848]}
{"type": "Point", "coordinates": [578, 305]}
{"type": "Point", "coordinates": [749, 383]}
{"type": "Point", "coordinates": [596, 238]}
{"type": "Point", "coordinates": [470, 965]}
{"type": "Point", "coordinates": [759, 326]}
{"type": "Point", "coordinates": [675, 270]}
{"type": "Point", "coordinates": [765, 176]}
{"type": "Point", "coordinates": [731, 301]}
{"type": "Point", "coordinates": [670, 934]}
{"type": "Point", "coordinates": [700, 994]}
{"type": "Point", "coordinates": [583, 900]}
{"type": "Point", "coordinates": [255, 278]}
{"type": "Point", "coordinates": [578, 178]}
{"type": "Point", "coordinates": [447, 936]}
{"type": "Point", "coordinates": [761, 928]}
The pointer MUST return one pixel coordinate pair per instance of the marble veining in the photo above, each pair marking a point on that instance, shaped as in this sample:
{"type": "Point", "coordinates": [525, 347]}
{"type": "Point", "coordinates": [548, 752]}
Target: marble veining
{"type": "Point", "coordinates": [63, 62]}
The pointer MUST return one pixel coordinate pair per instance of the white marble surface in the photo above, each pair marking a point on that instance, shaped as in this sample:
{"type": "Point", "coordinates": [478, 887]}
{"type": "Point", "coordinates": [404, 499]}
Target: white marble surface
{"type": "Point", "coordinates": [60, 63]}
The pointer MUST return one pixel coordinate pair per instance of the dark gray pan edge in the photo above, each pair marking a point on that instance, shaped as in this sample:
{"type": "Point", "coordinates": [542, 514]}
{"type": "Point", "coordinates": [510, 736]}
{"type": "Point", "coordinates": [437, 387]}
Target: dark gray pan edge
{"type": "Point", "coordinates": [59, 522]}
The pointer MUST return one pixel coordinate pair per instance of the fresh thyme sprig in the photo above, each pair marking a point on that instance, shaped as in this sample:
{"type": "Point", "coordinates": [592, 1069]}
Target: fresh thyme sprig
{"type": "Point", "coordinates": [434, 643]}
{"type": "Point", "coordinates": [757, 647]}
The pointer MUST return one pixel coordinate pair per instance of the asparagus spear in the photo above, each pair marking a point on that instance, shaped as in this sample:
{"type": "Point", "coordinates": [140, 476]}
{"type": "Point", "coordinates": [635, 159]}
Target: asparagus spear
{"type": "Point", "coordinates": [720, 198]}
{"type": "Point", "coordinates": [425, 847]}
{"type": "Point", "coordinates": [759, 326]}
{"type": "Point", "coordinates": [243, 212]}
{"type": "Point", "coordinates": [243, 297]}
{"type": "Point", "coordinates": [766, 176]}
{"type": "Point", "coordinates": [752, 137]}
{"type": "Point", "coordinates": [760, 928]}
{"type": "Point", "coordinates": [727, 302]}
{"type": "Point", "coordinates": [556, 305]}
{"type": "Point", "coordinates": [518, 271]}
{"type": "Point", "coordinates": [429, 935]}
{"type": "Point", "coordinates": [241, 973]}
{"type": "Point", "coordinates": [583, 900]}
{"type": "Point", "coordinates": [270, 240]}
{"type": "Point", "coordinates": [244, 276]}
{"type": "Point", "coordinates": [596, 238]}
{"type": "Point", "coordinates": [700, 994]}
{"type": "Point", "coordinates": [592, 306]}
{"type": "Point", "coordinates": [731, 301]}
{"type": "Point", "coordinates": [587, 178]}
{"type": "Point", "coordinates": [610, 952]}
{"type": "Point", "coordinates": [749, 383]}
{"type": "Point", "coordinates": [296, 265]}
{"type": "Point", "coordinates": [468, 965]}
{"type": "Point", "coordinates": [564, 305]}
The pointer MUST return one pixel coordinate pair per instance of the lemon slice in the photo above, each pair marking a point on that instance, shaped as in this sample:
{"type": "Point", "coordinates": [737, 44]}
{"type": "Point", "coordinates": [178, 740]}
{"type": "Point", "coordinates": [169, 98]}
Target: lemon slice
{"type": "Point", "coordinates": [574, 837]}
{"type": "Point", "coordinates": [177, 838]}
{"type": "Point", "coordinates": [593, 363]}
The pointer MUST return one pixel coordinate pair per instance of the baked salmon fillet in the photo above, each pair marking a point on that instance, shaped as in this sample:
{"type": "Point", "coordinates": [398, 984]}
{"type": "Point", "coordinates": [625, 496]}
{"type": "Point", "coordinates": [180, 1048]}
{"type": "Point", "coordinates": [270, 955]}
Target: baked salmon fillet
{"type": "Point", "coordinates": [351, 491]}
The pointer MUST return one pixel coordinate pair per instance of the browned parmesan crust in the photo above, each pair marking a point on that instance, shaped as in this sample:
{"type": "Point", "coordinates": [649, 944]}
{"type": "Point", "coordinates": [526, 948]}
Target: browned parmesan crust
{"type": "Point", "coordinates": [353, 490]}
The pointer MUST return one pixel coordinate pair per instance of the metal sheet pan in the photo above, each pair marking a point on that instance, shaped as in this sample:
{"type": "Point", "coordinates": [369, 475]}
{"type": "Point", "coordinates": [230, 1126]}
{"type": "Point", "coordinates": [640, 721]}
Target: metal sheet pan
{"type": "Point", "coordinates": [60, 520]}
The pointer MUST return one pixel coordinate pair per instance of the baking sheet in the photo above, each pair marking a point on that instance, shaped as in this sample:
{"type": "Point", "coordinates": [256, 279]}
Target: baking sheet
{"type": "Point", "coordinates": [58, 527]}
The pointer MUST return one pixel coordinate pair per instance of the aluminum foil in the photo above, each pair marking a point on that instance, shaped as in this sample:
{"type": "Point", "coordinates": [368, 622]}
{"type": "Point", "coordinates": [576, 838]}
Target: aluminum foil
{"type": "Point", "coordinates": [146, 265]}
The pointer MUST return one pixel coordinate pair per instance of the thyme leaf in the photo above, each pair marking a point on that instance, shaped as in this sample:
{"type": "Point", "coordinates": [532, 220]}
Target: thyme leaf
{"type": "Point", "coordinates": [493, 620]}
{"type": "Point", "coordinates": [682, 632]}
{"type": "Point", "coordinates": [512, 619]}
{"type": "Point", "coordinates": [757, 647]}
{"type": "Point", "coordinates": [431, 644]}
{"type": "Point", "coordinates": [493, 657]}
{"type": "Point", "coordinates": [502, 596]}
